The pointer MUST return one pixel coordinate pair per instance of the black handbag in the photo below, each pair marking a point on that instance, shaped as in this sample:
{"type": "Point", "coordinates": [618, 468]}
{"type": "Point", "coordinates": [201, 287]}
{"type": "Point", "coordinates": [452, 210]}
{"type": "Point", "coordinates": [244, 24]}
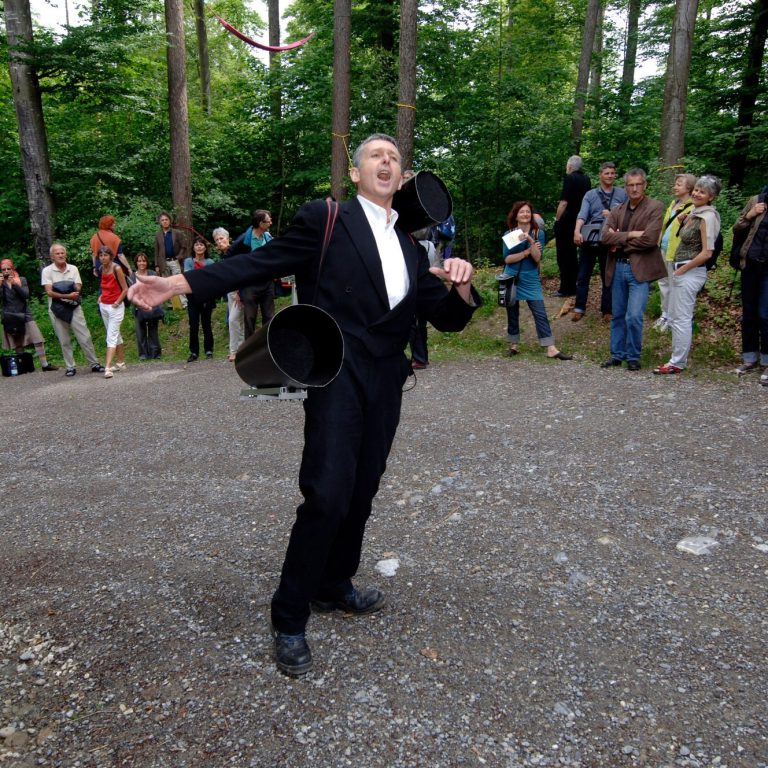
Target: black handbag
{"type": "Point", "coordinates": [739, 238]}
{"type": "Point", "coordinates": [14, 323]}
{"type": "Point", "coordinates": [63, 309]}
{"type": "Point", "coordinates": [507, 289]}
{"type": "Point", "coordinates": [592, 234]}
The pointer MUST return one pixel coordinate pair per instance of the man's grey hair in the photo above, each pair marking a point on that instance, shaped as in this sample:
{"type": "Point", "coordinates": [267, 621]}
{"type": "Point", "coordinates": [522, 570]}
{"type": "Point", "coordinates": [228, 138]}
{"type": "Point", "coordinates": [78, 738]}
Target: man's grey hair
{"type": "Point", "coordinates": [574, 162]}
{"type": "Point", "coordinates": [636, 172]}
{"type": "Point", "coordinates": [220, 232]}
{"type": "Point", "coordinates": [711, 184]}
{"type": "Point", "coordinates": [54, 245]}
{"type": "Point", "coordinates": [357, 156]}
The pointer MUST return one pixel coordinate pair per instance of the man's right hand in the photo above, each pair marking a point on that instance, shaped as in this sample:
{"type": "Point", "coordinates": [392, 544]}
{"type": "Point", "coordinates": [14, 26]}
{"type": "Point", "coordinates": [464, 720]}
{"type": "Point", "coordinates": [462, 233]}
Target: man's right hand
{"type": "Point", "coordinates": [577, 238]}
{"type": "Point", "coordinates": [756, 210]}
{"type": "Point", "coordinates": [149, 291]}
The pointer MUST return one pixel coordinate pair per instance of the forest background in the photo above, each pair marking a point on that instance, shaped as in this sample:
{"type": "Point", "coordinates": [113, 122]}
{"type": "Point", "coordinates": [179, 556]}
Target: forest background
{"type": "Point", "coordinates": [504, 93]}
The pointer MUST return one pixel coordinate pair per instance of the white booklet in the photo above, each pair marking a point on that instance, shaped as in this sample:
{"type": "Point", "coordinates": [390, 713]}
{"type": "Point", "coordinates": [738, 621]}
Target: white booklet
{"type": "Point", "coordinates": [511, 239]}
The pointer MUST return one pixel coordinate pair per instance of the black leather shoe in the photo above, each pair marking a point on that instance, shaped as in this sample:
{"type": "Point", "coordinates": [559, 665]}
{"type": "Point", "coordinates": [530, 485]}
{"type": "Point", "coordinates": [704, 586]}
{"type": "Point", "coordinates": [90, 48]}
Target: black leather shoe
{"type": "Point", "coordinates": [292, 653]}
{"type": "Point", "coordinates": [355, 602]}
{"type": "Point", "coordinates": [612, 363]}
{"type": "Point", "coordinates": [192, 358]}
{"type": "Point", "coordinates": [633, 365]}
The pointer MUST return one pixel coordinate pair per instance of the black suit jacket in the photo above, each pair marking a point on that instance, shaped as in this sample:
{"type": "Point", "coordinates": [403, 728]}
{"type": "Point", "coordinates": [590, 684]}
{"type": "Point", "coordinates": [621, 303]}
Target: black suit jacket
{"type": "Point", "coordinates": [351, 285]}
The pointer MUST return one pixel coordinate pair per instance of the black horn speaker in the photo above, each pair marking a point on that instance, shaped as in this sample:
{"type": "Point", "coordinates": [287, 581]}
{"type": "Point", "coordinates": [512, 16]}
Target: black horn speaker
{"type": "Point", "coordinates": [301, 346]}
{"type": "Point", "coordinates": [422, 201]}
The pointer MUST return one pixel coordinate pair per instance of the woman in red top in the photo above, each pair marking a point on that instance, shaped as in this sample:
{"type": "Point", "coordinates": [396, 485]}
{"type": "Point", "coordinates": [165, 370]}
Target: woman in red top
{"type": "Point", "coordinates": [113, 290]}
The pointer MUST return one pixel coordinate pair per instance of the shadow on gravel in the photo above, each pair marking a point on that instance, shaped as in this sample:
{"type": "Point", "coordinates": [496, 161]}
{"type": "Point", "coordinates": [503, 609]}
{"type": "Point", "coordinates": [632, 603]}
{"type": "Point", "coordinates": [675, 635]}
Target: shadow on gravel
{"type": "Point", "coordinates": [539, 609]}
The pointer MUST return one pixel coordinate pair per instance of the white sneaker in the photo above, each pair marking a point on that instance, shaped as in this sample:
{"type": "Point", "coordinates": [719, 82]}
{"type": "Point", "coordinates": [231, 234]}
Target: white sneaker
{"type": "Point", "coordinates": [108, 373]}
{"type": "Point", "coordinates": [764, 379]}
{"type": "Point", "coordinates": [120, 367]}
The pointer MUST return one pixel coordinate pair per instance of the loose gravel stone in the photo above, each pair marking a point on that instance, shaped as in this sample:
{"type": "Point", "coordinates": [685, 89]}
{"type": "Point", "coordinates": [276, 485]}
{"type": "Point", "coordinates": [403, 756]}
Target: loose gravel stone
{"type": "Point", "coordinates": [541, 613]}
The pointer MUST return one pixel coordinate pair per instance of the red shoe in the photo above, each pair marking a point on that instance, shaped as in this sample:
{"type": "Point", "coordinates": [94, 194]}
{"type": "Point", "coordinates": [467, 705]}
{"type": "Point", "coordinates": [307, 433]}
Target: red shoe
{"type": "Point", "coordinates": [416, 365]}
{"type": "Point", "coordinates": [668, 368]}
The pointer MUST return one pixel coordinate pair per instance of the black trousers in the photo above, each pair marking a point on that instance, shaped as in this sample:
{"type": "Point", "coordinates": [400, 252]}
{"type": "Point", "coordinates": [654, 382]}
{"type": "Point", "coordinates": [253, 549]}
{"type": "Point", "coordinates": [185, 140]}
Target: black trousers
{"type": "Point", "coordinates": [348, 433]}
{"type": "Point", "coordinates": [567, 255]}
{"type": "Point", "coordinates": [200, 314]}
{"type": "Point", "coordinates": [255, 298]}
{"type": "Point", "coordinates": [147, 337]}
{"type": "Point", "coordinates": [588, 255]}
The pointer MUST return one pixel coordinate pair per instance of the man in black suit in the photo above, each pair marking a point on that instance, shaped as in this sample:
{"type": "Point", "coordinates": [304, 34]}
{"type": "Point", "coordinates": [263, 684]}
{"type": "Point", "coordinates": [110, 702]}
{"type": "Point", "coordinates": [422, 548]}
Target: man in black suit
{"type": "Point", "coordinates": [374, 279]}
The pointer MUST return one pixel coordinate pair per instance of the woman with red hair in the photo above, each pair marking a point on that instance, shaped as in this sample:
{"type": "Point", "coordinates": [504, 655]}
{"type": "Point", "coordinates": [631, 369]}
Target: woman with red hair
{"type": "Point", "coordinates": [106, 237]}
{"type": "Point", "coordinates": [523, 244]}
{"type": "Point", "coordinates": [20, 330]}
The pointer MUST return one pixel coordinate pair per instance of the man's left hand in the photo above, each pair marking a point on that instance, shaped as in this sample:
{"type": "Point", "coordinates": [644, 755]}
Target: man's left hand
{"type": "Point", "coordinates": [458, 272]}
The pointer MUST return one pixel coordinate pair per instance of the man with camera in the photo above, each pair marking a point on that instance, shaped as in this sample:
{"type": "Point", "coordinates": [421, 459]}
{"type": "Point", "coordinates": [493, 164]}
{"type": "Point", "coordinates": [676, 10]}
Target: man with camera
{"type": "Point", "coordinates": [595, 207]}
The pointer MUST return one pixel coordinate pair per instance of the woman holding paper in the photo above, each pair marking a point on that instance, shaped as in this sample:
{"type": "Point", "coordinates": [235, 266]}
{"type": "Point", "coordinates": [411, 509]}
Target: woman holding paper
{"type": "Point", "coordinates": [523, 244]}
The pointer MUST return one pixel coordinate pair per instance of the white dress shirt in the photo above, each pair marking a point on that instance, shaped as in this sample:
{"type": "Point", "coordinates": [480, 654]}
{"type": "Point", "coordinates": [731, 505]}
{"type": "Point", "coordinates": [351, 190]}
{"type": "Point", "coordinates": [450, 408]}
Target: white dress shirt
{"type": "Point", "coordinates": [390, 252]}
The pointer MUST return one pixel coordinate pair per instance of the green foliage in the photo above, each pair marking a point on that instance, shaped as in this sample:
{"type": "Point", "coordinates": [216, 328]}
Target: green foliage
{"type": "Point", "coordinates": [494, 105]}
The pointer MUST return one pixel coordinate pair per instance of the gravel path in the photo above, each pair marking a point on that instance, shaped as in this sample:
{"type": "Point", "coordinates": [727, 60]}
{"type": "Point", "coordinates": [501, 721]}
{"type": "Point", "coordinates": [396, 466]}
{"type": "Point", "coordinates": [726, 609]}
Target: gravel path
{"type": "Point", "coordinates": [540, 614]}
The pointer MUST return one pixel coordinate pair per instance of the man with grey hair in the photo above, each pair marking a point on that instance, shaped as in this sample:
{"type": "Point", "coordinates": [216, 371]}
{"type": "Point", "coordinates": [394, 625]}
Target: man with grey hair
{"type": "Point", "coordinates": [575, 185]}
{"type": "Point", "coordinates": [261, 296]}
{"type": "Point", "coordinates": [632, 232]}
{"type": "Point", "coordinates": [63, 285]}
{"type": "Point", "coordinates": [372, 278]}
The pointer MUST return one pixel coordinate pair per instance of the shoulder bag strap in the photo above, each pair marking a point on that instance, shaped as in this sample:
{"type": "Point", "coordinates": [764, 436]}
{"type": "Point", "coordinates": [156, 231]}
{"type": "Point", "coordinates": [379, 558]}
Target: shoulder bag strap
{"type": "Point", "coordinates": [330, 222]}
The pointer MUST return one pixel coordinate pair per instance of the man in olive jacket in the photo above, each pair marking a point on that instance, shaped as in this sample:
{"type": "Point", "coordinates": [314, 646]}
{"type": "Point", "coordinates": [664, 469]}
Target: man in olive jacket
{"type": "Point", "coordinates": [632, 233]}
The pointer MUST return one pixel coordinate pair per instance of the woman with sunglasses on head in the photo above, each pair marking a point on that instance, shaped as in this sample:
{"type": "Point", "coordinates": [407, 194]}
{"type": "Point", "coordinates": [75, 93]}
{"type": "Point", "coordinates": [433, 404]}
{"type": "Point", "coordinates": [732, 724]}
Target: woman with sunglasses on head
{"type": "Point", "coordinates": [114, 288]}
{"type": "Point", "coordinates": [20, 330]}
{"type": "Point", "coordinates": [696, 241]}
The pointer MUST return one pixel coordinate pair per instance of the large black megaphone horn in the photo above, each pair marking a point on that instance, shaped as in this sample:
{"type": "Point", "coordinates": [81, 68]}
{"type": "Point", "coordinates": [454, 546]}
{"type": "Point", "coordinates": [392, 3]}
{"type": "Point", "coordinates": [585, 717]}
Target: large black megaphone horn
{"type": "Point", "coordinates": [301, 346]}
{"type": "Point", "coordinates": [422, 201]}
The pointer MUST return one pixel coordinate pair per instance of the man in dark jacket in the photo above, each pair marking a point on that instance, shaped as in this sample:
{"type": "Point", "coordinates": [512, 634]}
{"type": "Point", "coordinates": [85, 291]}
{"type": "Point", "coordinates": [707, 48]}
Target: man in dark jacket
{"type": "Point", "coordinates": [374, 279]}
{"type": "Point", "coordinates": [575, 185]}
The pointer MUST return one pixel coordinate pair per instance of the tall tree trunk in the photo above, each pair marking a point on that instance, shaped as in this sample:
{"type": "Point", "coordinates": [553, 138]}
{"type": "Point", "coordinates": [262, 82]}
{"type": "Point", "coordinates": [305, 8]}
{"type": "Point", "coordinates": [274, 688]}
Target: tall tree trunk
{"type": "Point", "coordinates": [596, 70]}
{"type": "Point", "coordinates": [582, 81]}
{"type": "Point", "coordinates": [276, 100]}
{"type": "Point", "coordinates": [750, 86]}
{"type": "Point", "coordinates": [33, 141]}
{"type": "Point", "coordinates": [630, 55]}
{"type": "Point", "coordinates": [672, 146]}
{"type": "Point", "coordinates": [406, 114]}
{"type": "Point", "coordinates": [204, 63]}
{"type": "Point", "coordinates": [178, 117]}
{"type": "Point", "coordinates": [276, 109]}
{"type": "Point", "coordinates": [342, 23]}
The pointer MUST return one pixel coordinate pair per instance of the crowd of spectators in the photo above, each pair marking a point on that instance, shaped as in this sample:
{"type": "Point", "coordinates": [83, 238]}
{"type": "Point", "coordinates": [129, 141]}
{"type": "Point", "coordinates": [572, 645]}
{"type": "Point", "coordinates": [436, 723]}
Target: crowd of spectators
{"type": "Point", "coordinates": [630, 237]}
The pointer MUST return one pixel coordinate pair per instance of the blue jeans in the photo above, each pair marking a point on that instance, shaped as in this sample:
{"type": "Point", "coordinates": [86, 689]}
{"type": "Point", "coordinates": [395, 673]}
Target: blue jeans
{"type": "Point", "coordinates": [628, 298]}
{"type": "Point", "coordinates": [539, 312]}
{"type": "Point", "coordinates": [754, 318]}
